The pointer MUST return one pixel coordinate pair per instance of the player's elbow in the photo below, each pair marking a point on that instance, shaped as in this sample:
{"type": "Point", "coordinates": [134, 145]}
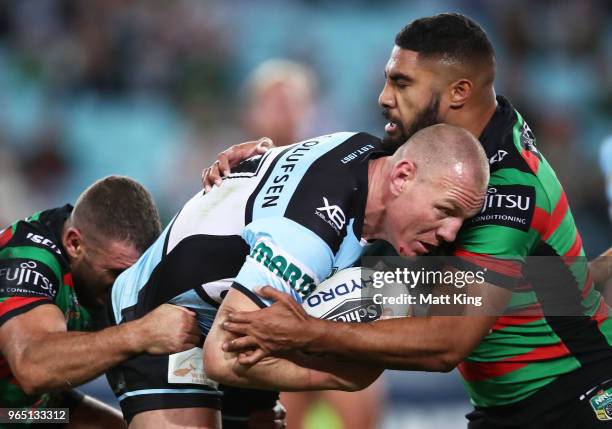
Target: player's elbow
{"type": "Point", "coordinates": [215, 365]}
{"type": "Point", "coordinates": [446, 362]}
{"type": "Point", "coordinates": [443, 365]}
{"type": "Point", "coordinates": [360, 381]}
{"type": "Point", "coordinates": [217, 370]}
{"type": "Point", "coordinates": [357, 385]}
{"type": "Point", "coordinates": [32, 382]}
{"type": "Point", "coordinates": [31, 387]}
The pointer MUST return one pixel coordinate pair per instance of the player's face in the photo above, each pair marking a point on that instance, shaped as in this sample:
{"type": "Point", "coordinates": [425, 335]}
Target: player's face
{"type": "Point", "coordinates": [430, 212]}
{"type": "Point", "coordinates": [96, 270]}
{"type": "Point", "coordinates": [410, 98]}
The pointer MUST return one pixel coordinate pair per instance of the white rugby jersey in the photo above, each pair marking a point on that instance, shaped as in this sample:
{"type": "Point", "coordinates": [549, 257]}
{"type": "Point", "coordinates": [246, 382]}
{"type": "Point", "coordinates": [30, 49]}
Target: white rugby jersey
{"type": "Point", "coordinates": [288, 219]}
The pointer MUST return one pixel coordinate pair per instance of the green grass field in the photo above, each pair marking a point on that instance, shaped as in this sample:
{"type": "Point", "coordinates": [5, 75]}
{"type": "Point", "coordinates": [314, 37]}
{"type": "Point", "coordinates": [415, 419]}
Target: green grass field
{"type": "Point", "coordinates": [322, 416]}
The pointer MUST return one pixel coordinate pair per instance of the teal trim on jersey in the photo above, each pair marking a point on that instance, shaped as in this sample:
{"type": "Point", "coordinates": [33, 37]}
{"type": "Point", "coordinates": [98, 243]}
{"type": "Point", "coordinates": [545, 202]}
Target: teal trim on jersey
{"type": "Point", "coordinates": [270, 203]}
{"type": "Point", "coordinates": [165, 391]}
{"type": "Point", "coordinates": [125, 289]}
{"type": "Point", "coordinates": [205, 312]}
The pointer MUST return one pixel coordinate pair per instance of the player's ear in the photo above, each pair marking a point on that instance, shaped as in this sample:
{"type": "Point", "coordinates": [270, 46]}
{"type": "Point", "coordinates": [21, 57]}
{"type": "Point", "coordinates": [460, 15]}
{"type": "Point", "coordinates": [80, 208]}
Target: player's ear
{"type": "Point", "coordinates": [459, 93]}
{"type": "Point", "coordinates": [402, 174]}
{"type": "Point", "coordinates": [72, 239]}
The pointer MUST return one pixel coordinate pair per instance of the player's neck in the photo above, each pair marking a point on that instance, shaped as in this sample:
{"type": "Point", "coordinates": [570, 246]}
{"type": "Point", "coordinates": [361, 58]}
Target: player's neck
{"type": "Point", "coordinates": [375, 207]}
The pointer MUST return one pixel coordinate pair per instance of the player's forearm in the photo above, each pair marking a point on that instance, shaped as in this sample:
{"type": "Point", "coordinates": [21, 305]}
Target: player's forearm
{"type": "Point", "coordinates": [423, 343]}
{"type": "Point", "coordinates": [296, 372]}
{"type": "Point", "coordinates": [65, 359]}
{"type": "Point", "coordinates": [299, 373]}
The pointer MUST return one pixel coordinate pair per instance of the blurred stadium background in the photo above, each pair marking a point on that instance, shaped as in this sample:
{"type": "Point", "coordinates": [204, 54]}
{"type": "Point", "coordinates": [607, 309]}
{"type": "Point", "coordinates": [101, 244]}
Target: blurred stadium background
{"type": "Point", "coordinates": [155, 89]}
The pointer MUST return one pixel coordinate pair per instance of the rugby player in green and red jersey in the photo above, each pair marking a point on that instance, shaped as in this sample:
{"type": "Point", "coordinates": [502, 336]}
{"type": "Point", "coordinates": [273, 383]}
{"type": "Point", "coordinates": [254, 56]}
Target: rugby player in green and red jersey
{"type": "Point", "coordinates": [55, 270]}
{"type": "Point", "coordinates": [533, 367]}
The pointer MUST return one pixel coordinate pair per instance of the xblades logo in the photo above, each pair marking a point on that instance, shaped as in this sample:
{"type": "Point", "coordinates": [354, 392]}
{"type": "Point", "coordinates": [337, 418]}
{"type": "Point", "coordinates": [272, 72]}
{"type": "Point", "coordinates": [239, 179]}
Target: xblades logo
{"type": "Point", "coordinates": [333, 213]}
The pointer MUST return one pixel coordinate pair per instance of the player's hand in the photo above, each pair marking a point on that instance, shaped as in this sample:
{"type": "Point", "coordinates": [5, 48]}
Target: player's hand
{"type": "Point", "coordinates": [169, 329]}
{"type": "Point", "coordinates": [269, 419]}
{"type": "Point", "coordinates": [230, 158]}
{"type": "Point", "coordinates": [282, 327]}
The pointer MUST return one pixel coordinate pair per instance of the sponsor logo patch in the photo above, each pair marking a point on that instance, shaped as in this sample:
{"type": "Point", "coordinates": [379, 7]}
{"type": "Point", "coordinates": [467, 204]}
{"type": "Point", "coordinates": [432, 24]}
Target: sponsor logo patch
{"type": "Point", "coordinates": [284, 266]}
{"type": "Point", "coordinates": [188, 367]}
{"type": "Point", "coordinates": [601, 403]}
{"type": "Point", "coordinates": [507, 205]}
{"type": "Point", "coordinates": [24, 278]}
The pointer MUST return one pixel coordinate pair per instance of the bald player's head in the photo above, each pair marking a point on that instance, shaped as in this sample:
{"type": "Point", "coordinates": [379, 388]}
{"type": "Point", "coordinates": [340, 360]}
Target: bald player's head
{"type": "Point", "coordinates": [435, 181]}
{"type": "Point", "coordinates": [446, 149]}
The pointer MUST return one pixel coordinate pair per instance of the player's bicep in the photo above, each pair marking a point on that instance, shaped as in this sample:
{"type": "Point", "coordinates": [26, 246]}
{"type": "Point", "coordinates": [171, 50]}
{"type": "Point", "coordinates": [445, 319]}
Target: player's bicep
{"type": "Point", "coordinates": [217, 363]}
{"type": "Point", "coordinates": [494, 253]}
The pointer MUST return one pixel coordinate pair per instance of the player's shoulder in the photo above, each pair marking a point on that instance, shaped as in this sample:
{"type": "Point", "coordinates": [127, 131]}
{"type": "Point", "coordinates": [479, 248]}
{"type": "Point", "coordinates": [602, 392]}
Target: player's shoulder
{"type": "Point", "coordinates": [518, 169]}
{"type": "Point", "coordinates": [509, 142]}
{"type": "Point", "coordinates": [34, 245]}
{"type": "Point", "coordinates": [336, 149]}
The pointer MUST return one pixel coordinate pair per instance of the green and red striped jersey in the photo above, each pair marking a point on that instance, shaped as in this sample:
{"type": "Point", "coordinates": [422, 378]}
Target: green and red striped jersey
{"type": "Point", "coordinates": [34, 271]}
{"type": "Point", "coordinates": [526, 238]}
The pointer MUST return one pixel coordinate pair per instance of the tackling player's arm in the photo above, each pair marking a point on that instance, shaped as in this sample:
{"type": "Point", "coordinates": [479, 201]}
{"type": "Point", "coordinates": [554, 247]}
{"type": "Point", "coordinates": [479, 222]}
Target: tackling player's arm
{"type": "Point", "coordinates": [230, 158]}
{"type": "Point", "coordinates": [433, 343]}
{"type": "Point", "coordinates": [43, 356]}
{"type": "Point", "coordinates": [296, 372]}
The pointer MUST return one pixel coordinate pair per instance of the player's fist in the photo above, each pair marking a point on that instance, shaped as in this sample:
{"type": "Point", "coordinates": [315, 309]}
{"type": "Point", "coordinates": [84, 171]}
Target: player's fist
{"type": "Point", "coordinates": [169, 329]}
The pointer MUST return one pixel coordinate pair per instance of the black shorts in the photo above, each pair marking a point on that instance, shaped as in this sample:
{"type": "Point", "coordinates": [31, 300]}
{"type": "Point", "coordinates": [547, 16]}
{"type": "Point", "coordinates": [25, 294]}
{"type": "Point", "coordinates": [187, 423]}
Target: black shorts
{"type": "Point", "coordinates": [145, 383]}
{"type": "Point", "coordinates": [154, 382]}
{"type": "Point", "coordinates": [239, 404]}
{"type": "Point", "coordinates": [578, 400]}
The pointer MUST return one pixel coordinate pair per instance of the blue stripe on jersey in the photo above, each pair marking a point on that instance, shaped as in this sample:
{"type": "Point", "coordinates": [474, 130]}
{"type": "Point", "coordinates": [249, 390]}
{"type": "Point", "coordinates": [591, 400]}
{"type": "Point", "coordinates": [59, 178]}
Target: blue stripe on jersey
{"type": "Point", "coordinates": [129, 283]}
{"type": "Point", "coordinates": [204, 311]}
{"type": "Point", "coordinates": [290, 168]}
